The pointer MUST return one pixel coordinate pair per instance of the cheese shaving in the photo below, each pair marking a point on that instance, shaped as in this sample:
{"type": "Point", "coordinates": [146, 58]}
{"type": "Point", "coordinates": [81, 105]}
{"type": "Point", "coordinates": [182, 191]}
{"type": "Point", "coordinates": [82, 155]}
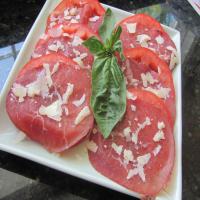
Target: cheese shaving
{"type": "Point", "coordinates": [127, 134]}
{"type": "Point", "coordinates": [94, 19]}
{"type": "Point", "coordinates": [147, 79]}
{"type": "Point", "coordinates": [19, 91]}
{"type": "Point", "coordinates": [82, 115]}
{"type": "Point", "coordinates": [68, 93]}
{"type": "Point", "coordinates": [76, 41]}
{"type": "Point", "coordinates": [157, 150]}
{"type": "Point", "coordinates": [131, 27]}
{"type": "Point", "coordinates": [159, 136]}
{"type": "Point", "coordinates": [128, 156]}
{"type": "Point", "coordinates": [130, 96]}
{"type": "Point", "coordinates": [48, 74]}
{"type": "Point", "coordinates": [159, 39]}
{"type": "Point", "coordinates": [143, 40]}
{"type": "Point", "coordinates": [117, 149]}
{"type": "Point", "coordinates": [92, 146]}
{"type": "Point", "coordinates": [79, 102]}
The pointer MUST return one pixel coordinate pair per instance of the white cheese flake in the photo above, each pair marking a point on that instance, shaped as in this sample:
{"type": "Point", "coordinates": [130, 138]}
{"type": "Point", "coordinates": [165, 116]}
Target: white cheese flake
{"type": "Point", "coordinates": [68, 93]}
{"type": "Point", "coordinates": [135, 134]}
{"type": "Point", "coordinates": [44, 36]}
{"type": "Point", "coordinates": [147, 79]}
{"type": "Point", "coordinates": [48, 74]}
{"type": "Point", "coordinates": [160, 92]}
{"type": "Point", "coordinates": [82, 115]}
{"type": "Point", "coordinates": [128, 156]}
{"type": "Point", "coordinates": [127, 134]}
{"type": "Point", "coordinates": [132, 45]}
{"type": "Point", "coordinates": [131, 27]}
{"type": "Point", "coordinates": [94, 19]}
{"type": "Point", "coordinates": [161, 125]}
{"type": "Point", "coordinates": [66, 12]}
{"type": "Point", "coordinates": [56, 46]}
{"type": "Point", "coordinates": [143, 40]}
{"type": "Point", "coordinates": [92, 146]}
{"type": "Point", "coordinates": [74, 21]}
{"type": "Point", "coordinates": [157, 150]}
{"type": "Point", "coordinates": [55, 68]}
{"type": "Point", "coordinates": [73, 11]}
{"type": "Point", "coordinates": [159, 136]}
{"type": "Point", "coordinates": [159, 39]}
{"type": "Point", "coordinates": [53, 111]}
{"type": "Point", "coordinates": [79, 59]}
{"type": "Point", "coordinates": [19, 91]}
{"type": "Point", "coordinates": [117, 149]}
{"type": "Point", "coordinates": [76, 41]}
{"type": "Point", "coordinates": [67, 35]}
{"type": "Point", "coordinates": [130, 96]}
{"type": "Point", "coordinates": [76, 52]}
{"type": "Point", "coordinates": [173, 60]}
{"type": "Point", "coordinates": [133, 108]}
{"type": "Point", "coordinates": [79, 102]}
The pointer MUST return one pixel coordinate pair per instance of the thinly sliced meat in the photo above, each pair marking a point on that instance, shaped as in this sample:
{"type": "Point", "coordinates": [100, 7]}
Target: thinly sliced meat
{"type": "Point", "coordinates": [144, 69]}
{"type": "Point", "coordinates": [70, 12]}
{"type": "Point", "coordinates": [139, 153]}
{"type": "Point", "coordinates": [49, 101]}
{"type": "Point", "coordinates": [68, 41]}
{"type": "Point", "coordinates": [143, 31]}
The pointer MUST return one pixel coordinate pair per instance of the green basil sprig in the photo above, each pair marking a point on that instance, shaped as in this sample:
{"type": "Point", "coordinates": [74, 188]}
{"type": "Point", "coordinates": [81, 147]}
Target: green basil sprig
{"type": "Point", "coordinates": [108, 99]}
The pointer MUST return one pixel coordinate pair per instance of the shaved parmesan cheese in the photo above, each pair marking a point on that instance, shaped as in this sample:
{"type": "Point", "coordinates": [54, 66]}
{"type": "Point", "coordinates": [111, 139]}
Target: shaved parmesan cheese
{"type": "Point", "coordinates": [73, 11]}
{"type": "Point", "coordinates": [68, 93]}
{"type": "Point", "coordinates": [133, 108]}
{"type": "Point", "coordinates": [128, 156]}
{"type": "Point", "coordinates": [94, 19]}
{"type": "Point", "coordinates": [56, 46]}
{"type": "Point", "coordinates": [67, 35]}
{"type": "Point", "coordinates": [82, 115]}
{"type": "Point", "coordinates": [55, 68]}
{"type": "Point", "coordinates": [33, 88]}
{"type": "Point", "coordinates": [131, 27]}
{"type": "Point", "coordinates": [76, 52]}
{"type": "Point", "coordinates": [132, 45]}
{"type": "Point", "coordinates": [159, 39]}
{"type": "Point", "coordinates": [139, 170]}
{"type": "Point", "coordinates": [35, 55]}
{"type": "Point", "coordinates": [76, 41]}
{"type": "Point", "coordinates": [117, 149]}
{"type": "Point", "coordinates": [48, 74]}
{"type": "Point", "coordinates": [161, 92]}
{"type": "Point", "coordinates": [79, 102]}
{"type": "Point", "coordinates": [147, 78]}
{"type": "Point", "coordinates": [19, 91]}
{"type": "Point", "coordinates": [79, 59]}
{"type": "Point", "coordinates": [173, 61]}
{"type": "Point", "coordinates": [74, 21]}
{"type": "Point", "coordinates": [143, 40]}
{"type": "Point", "coordinates": [159, 136]}
{"type": "Point", "coordinates": [55, 32]}
{"type": "Point", "coordinates": [53, 111]}
{"type": "Point", "coordinates": [161, 125]}
{"type": "Point", "coordinates": [129, 95]}
{"type": "Point", "coordinates": [131, 173]}
{"type": "Point", "coordinates": [157, 150]}
{"type": "Point", "coordinates": [66, 12]}
{"type": "Point", "coordinates": [147, 122]}
{"type": "Point", "coordinates": [127, 134]}
{"type": "Point", "coordinates": [92, 146]}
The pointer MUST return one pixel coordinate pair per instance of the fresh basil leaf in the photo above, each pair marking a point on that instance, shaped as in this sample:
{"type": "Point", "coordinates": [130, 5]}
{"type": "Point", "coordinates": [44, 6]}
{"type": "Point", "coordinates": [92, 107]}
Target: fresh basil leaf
{"type": "Point", "coordinates": [108, 99]}
{"type": "Point", "coordinates": [94, 45]}
{"type": "Point", "coordinates": [116, 35]}
{"type": "Point", "coordinates": [118, 47]}
{"type": "Point", "coordinates": [107, 26]}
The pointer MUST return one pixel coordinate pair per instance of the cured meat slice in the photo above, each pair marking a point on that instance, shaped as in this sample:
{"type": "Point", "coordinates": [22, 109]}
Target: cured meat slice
{"type": "Point", "coordinates": [70, 12]}
{"type": "Point", "coordinates": [68, 41]}
{"type": "Point", "coordinates": [143, 31]}
{"type": "Point", "coordinates": [139, 153]}
{"type": "Point", "coordinates": [144, 69]}
{"type": "Point", "coordinates": [49, 102]}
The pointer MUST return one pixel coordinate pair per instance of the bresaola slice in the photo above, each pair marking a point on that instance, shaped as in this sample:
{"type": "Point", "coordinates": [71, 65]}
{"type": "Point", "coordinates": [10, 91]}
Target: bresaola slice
{"type": "Point", "coordinates": [67, 41]}
{"type": "Point", "coordinates": [143, 31]}
{"type": "Point", "coordinates": [144, 69]}
{"type": "Point", "coordinates": [49, 101]}
{"type": "Point", "coordinates": [139, 153]}
{"type": "Point", "coordinates": [70, 12]}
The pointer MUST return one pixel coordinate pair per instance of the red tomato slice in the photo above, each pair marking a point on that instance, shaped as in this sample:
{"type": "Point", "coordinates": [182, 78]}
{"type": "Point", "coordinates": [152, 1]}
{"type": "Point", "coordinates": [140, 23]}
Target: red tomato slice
{"type": "Point", "coordinates": [82, 11]}
{"type": "Point", "coordinates": [145, 70]}
{"type": "Point", "coordinates": [63, 40]}
{"type": "Point", "coordinates": [148, 33]}
{"type": "Point", "coordinates": [144, 163]}
{"type": "Point", "coordinates": [54, 134]}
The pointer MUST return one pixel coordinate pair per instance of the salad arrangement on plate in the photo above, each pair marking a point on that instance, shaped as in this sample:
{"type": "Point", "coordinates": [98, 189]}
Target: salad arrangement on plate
{"type": "Point", "coordinates": [90, 77]}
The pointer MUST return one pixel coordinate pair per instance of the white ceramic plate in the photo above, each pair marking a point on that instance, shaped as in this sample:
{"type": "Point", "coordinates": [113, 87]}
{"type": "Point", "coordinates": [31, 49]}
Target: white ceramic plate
{"type": "Point", "coordinates": [75, 161]}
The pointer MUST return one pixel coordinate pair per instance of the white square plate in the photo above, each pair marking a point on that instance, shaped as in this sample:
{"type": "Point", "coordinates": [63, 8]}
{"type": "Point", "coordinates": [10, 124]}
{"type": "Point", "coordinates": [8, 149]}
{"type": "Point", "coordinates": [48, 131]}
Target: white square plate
{"type": "Point", "coordinates": [75, 161]}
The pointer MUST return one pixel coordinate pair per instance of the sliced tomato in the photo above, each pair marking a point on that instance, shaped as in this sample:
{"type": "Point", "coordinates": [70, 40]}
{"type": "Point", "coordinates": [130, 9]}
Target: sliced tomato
{"type": "Point", "coordinates": [145, 70]}
{"type": "Point", "coordinates": [55, 135]}
{"type": "Point", "coordinates": [149, 34]}
{"type": "Point", "coordinates": [63, 38]}
{"type": "Point", "coordinates": [84, 10]}
{"type": "Point", "coordinates": [143, 165]}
